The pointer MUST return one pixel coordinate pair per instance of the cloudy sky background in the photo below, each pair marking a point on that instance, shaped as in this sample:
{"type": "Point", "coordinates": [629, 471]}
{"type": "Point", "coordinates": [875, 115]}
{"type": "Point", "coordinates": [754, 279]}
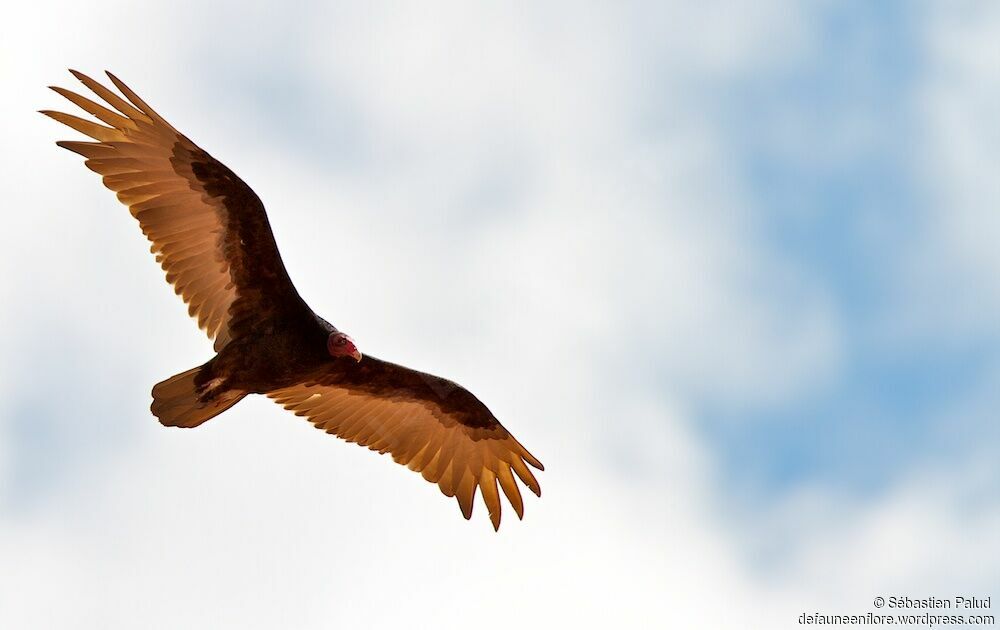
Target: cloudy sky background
{"type": "Point", "coordinates": [730, 271]}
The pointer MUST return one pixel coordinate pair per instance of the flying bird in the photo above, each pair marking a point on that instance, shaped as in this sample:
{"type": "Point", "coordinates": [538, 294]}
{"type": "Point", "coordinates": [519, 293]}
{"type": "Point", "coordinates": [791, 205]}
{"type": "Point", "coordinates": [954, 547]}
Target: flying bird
{"type": "Point", "coordinates": [211, 236]}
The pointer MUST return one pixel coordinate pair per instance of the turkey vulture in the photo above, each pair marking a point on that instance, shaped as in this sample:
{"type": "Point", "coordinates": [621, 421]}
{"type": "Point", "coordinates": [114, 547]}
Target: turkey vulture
{"type": "Point", "coordinates": [210, 234]}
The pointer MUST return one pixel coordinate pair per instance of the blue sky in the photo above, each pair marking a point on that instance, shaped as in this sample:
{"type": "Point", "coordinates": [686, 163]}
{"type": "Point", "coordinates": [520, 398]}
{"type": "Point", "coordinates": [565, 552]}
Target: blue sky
{"type": "Point", "coordinates": [727, 269]}
{"type": "Point", "coordinates": [841, 206]}
{"type": "Point", "coordinates": [845, 211]}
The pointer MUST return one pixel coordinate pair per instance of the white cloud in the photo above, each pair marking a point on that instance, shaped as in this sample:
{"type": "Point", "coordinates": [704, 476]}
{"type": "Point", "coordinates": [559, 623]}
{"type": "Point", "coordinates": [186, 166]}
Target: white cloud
{"type": "Point", "coordinates": [933, 534]}
{"type": "Point", "coordinates": [953, 266]}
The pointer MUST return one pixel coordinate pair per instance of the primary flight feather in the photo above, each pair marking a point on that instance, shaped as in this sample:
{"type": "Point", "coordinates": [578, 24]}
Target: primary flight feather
{"type": "Point", "coordinates": [210, 234]}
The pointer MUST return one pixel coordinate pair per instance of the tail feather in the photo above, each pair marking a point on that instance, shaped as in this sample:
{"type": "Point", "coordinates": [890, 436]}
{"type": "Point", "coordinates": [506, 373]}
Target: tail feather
{"type": "Point", "coordinates": [176, 402]}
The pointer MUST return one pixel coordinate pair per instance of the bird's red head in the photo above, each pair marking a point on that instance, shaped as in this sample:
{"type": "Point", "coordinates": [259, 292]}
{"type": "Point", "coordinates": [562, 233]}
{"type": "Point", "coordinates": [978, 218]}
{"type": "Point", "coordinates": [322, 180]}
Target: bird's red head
{"type": "Point", "coordinates": [340, 345]}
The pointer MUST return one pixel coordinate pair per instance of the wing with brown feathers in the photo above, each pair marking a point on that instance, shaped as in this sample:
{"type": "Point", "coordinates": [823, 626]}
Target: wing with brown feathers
{"type": "Point", "coordinates": [426, 423]}
{"type": "Point", "coordinates": [208, 229]}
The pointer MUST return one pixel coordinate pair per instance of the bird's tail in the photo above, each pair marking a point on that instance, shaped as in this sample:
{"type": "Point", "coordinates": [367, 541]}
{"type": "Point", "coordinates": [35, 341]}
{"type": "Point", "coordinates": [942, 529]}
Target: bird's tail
{"type": "Point", "coordinates": [178, 401]}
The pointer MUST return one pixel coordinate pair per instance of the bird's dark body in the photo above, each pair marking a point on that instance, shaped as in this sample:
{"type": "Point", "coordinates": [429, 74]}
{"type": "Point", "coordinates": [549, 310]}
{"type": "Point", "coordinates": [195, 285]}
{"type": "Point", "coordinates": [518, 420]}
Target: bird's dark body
{"type": "Point", "coordinates": [287, 355]}
{"type": "Point", "coordinates": [210, 234]}
{"type": "Point", "coordinates": [270, 359]}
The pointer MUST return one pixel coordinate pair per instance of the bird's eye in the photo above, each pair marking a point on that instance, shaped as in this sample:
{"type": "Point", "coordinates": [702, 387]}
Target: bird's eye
{"type": "Point", "coordinates": [341, 341]}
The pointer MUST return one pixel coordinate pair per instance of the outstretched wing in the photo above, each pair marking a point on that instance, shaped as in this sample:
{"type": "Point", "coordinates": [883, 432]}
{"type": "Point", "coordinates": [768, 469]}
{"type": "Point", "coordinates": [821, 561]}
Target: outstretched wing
{"type": "Point", "coordinates": [428, 424]}
{"type": "Point", "coordinates": [208, 229]}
